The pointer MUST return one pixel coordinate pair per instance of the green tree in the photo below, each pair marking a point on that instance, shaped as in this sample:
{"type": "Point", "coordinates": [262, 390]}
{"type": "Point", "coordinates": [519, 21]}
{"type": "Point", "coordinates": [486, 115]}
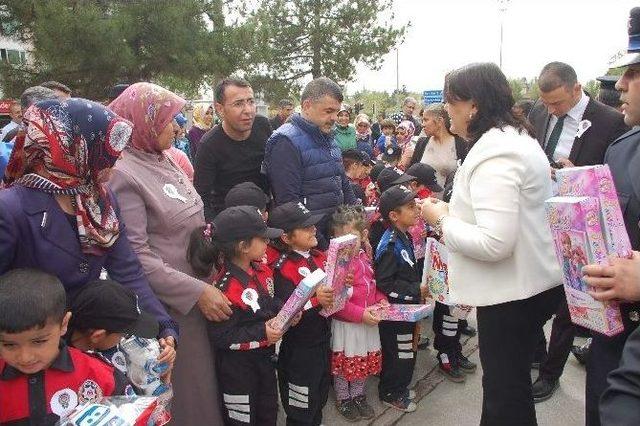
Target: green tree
{"type": "Point", "coordinates": [593, 88]}
{"type": "Point", "coordinates": [294, 39]}
{"type": "Point", "coordinates": [92, 44]}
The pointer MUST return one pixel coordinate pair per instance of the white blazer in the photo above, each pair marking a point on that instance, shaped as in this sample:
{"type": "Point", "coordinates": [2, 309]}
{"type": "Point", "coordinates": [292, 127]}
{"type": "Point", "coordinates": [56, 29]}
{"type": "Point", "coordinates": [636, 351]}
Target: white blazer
{"type": "Point", "coordinates": [500, 246]}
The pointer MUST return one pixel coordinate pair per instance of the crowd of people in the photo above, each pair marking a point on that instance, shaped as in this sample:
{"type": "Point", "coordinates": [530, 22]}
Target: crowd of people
{"type": "Point", "coordinates": [115, 220]}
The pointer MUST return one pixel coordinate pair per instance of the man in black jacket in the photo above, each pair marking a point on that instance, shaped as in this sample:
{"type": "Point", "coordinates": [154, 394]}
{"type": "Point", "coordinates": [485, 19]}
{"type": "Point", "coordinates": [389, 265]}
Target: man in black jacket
{"type": "Point", "coordinates": [574, 130]}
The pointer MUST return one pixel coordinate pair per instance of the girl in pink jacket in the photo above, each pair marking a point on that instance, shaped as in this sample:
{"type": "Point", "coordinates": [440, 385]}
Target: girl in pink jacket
{"type": "Point", "coordinates": [355, 342]}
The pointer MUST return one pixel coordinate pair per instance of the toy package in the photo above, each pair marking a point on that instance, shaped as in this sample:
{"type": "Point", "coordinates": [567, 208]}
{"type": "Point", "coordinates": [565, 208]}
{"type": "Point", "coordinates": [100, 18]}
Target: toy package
{"type": "Point", "coordinates": [435, 277]}
{"type": "Point", "coordinates": [406, 313]}
{"type": "Point", "coordinates": [116, 411]}
{"type": "Point", "coordinates": [298, 299]}
{"type": "Point", "coordinates": [579, 240]}
{"type": "Point", "coordinates": [596, 181]}
{"type": "Point", "coordinates": [143, 369]}
{"type": "Point", "coordinates": [339, 256]}
{"type": "Point", "coordinates": [419, 242]}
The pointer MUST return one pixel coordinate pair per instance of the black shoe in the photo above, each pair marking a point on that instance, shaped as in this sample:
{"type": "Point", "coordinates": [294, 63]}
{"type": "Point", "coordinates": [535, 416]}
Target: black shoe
{"type": "Point", "coordinates": [348, 409]}
{"type": "Point", "coordinates": [423, 343]}
{"type": "Point", "coordinates": [543, 389]}
{"type": "Point", "coordinates": [466, 365]}
{"type": "Point", "coordinates": [468, 331]}
{"type": "Point", "coordinates": [365, 410]}
{"type": "Point", "coordinates": [581, 352]}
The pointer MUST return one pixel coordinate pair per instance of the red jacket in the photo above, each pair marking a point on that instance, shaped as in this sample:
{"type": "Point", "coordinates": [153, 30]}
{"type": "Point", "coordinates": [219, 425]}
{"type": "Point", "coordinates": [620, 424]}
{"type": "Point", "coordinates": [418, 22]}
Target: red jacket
{"type": "Point", "coordinates": [74, 378]}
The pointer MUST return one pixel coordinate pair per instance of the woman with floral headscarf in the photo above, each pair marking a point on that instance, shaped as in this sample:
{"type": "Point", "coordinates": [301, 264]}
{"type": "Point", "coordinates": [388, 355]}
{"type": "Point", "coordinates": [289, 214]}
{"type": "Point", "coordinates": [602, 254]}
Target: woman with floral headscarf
{"type": "Point", "coordinates": [202, 121]}
{"type": "Point", "coordinates": [404, 135]}
{"type": "Point", "coordinates": [161, 209]}
{"type": "Point", "coordinates": [56, 214]}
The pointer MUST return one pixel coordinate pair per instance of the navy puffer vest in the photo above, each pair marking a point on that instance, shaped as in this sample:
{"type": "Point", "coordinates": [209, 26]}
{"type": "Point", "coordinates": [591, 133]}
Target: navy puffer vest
{"type": "Point", "coordinates": [321, 163]}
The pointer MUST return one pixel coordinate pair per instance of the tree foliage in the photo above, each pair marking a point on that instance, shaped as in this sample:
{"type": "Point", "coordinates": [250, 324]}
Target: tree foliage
{"type": "Point", "coordinates": [92, 44]}
{"type": "Point", "coordinates": [295, 39]}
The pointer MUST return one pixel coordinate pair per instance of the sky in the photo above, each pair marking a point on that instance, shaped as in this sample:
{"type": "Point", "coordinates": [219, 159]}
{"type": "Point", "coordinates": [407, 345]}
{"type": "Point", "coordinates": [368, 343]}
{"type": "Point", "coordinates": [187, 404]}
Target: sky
{"type": "Point", "coordinates": [447, 34]}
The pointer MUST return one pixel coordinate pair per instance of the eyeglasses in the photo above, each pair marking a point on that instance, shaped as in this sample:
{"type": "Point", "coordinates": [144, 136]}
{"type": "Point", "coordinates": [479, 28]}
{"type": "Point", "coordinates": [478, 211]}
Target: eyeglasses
{"type": "Point", "coordinates": [242, 103]}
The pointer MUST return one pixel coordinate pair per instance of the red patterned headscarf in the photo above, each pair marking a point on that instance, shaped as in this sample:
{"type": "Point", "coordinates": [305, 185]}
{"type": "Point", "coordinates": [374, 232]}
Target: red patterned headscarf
{"type": "Point", "coordinates": [65, 149]}
{"type": "Point", "coordinates": [150, 108]}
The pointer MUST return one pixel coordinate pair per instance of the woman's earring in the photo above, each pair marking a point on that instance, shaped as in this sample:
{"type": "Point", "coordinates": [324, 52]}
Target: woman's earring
{"type": "Point", "coordinates": [470, 116]}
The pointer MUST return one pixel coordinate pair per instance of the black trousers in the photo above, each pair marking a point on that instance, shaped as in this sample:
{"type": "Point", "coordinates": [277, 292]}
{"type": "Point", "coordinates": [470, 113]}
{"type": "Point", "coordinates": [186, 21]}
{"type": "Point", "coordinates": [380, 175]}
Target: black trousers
{"type": "Point", "coordinates": [398, 358]}
{"type": "Point", "coordinates": [562, 333]}
{"type": "Point", "coordinates": [507, 336]}
{"type": "Point", "coordinates": [447, 333]}
{"type": "Point", "coordinates": [248, 387]}
{"type": "Point", "coordinates": [604, 356]}
{"type": "Point", "coordinates": [304, 378]}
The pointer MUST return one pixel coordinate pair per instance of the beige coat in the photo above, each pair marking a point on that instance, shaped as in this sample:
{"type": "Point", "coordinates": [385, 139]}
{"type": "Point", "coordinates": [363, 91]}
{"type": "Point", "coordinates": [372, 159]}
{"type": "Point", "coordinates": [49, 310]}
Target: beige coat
{"type": "Point", "coordinates": [159, 222]}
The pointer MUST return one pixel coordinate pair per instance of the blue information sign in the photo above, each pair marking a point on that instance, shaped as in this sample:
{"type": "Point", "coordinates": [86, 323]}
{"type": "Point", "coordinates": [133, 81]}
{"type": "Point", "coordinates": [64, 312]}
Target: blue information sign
{"type": "Point", "coordinates": [431, 96]}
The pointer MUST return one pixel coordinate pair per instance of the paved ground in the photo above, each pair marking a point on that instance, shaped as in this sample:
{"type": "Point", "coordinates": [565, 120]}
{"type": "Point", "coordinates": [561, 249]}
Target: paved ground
{"type": "Point", "coordinates": [445, 403]}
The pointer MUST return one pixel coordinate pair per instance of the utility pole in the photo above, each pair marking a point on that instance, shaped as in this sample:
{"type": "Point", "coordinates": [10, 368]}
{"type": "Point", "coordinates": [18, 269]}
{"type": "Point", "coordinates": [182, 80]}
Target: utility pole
{"type": "Point", "coordinates": [502, 8]}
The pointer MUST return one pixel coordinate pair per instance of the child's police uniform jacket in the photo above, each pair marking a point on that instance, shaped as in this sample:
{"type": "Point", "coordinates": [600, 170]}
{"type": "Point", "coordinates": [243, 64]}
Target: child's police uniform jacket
{"type": "Point", "coordinates": [303, 362]}
{"type": "Point", "coordinates": [74, 378]}
{"type": "Point", "coordinates": [246, 375]}
{"type": "Point", "coordinates": [397, 276]}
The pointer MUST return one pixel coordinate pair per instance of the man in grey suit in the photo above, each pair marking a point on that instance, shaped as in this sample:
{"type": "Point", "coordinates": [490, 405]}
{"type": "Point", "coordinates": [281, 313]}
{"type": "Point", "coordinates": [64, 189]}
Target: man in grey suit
{"type": "Point", "coordinates": [619, 404]}
{"type": "Point", "coordinates": [574, 130]}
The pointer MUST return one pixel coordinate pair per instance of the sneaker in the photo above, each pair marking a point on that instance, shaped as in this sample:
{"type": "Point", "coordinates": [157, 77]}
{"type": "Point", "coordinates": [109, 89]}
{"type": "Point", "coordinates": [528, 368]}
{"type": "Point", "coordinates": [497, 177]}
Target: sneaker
{"type": "Point", "coordinates": [402, 404]}
{"type": "Point", "coordinates": [365, 410]}
{"type": "Point", "coordinates": [466, 365]}
{"type": "Point", "coordinates": [411, 394]}
{"type": "Point", "coordinates": [449, 369]}
{"type": "Point", "coordinates": [348, 409]}
{"type": "Point", "coordinates": [468, 331]}
{"type": "Point", "coordinates": [543, 389]}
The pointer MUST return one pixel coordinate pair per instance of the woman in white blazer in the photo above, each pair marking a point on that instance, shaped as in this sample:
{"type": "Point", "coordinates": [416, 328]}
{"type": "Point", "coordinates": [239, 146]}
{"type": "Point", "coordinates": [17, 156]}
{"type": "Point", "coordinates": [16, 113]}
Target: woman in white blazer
{"type": "Point", "coordinates": [501, 255]}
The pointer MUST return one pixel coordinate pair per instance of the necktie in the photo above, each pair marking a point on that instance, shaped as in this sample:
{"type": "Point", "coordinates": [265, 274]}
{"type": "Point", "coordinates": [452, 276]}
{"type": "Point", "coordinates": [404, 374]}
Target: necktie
{"type": "Point", "coordinates": [554, 137]}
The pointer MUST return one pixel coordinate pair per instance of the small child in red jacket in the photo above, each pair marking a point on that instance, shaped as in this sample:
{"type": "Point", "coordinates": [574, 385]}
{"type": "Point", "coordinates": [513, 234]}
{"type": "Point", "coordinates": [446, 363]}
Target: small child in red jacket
{"type": "Point", "coordinates": [355, 340]}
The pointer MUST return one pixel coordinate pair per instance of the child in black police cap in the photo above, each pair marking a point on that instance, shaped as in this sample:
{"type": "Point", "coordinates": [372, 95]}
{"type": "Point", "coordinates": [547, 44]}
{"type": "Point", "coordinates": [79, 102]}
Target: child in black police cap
{"type": "Point", "coordinates": [236, 242]}
{"type": "Point", "coordinates": [103, 313]}
{"type": "Point", "coordinates": [398, 277]}
{"type": "Point", "coordinates": [248, 194]}
{"type": "Point", "coordinates": [303, 362]}
{"type": "Point", "coordinates": [41, 378]}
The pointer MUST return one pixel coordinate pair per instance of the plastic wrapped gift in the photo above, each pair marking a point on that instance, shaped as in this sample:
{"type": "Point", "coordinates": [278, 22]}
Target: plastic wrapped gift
{"type": "Point", "coordinates": [298, 299]}
{"type": "Point", "coordinates": [435, 276]}
{"type": "Point", "coordinates": [419, 241]}
{"type": "Point", "coordinates": [143, 368]}
{"type": "Point", "coordinates": [339, 256]}
{"type": "Point", "coordinates": [406, 313]}
{"type": "Point", "coordinates": [117, 411]}
{"type": "Point", "coordinates": [596, 181]}
{"type": "Point", "coordinates": [579, 240]}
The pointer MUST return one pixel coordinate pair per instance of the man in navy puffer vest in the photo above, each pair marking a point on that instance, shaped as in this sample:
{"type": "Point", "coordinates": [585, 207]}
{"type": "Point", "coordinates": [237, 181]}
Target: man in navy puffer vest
{"type": "Point", "coordinates": [302, 159]}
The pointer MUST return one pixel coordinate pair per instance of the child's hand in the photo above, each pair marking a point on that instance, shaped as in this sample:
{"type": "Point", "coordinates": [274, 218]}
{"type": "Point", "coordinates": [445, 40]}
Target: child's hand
{"type": "Point", "coordinates": [370, 317]}
{"type": "Point", "coordinates": [296, 319]}
{"type": "Point", "coordinates": [383, 302]}
{"type": "Point", "coordinates": [273, 335]}
{"type": "Point", "coordinates": [348, 280]}
{"type": "Point", "coordinates": [424, 292]}
{"type": "Point", "coordinates": [324, 294]}
{"type": "Point", "coordinates": [168, 355]}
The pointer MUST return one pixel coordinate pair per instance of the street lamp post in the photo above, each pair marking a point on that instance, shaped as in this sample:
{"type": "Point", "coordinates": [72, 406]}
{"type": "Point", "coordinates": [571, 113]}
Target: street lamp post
{"type": "Point", "coordinates": [502, 8]}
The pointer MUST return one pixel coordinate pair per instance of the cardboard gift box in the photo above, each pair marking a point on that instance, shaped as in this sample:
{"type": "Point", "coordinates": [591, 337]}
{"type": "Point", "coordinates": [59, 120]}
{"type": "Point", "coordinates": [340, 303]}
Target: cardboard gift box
{"type": "Point", "coordinates": [596, 181]}
{"type": "Point", "coordinates": [298, 299]}
{"type": "Point", "coordinates": [341, 252]}
{"type": "Point", "coordinates": [579, 240]}
{"type": "Point", "coordinates": [406, 313]}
